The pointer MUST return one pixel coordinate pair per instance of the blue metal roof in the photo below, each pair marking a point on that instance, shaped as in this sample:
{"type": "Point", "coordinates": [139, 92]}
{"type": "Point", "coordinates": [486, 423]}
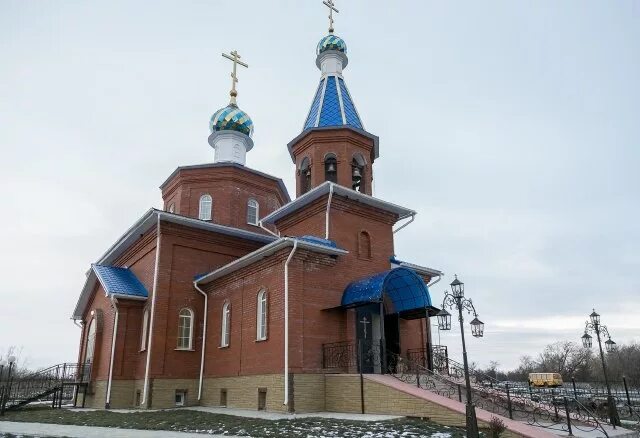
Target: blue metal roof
{"type": "Point", "coordinates": [121, 281]}
{"type": "Point", "coordinates": [332, 106]}
{"type": "Point", "coordinates": [318, 241]}
{"type": "Point", "coordinates": [405, 290]}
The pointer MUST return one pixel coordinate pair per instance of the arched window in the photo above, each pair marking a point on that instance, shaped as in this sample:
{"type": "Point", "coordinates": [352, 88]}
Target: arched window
{"type": "Point", "coordinates": [226, 325]}
{"type": "Point", "coordinates": [357, 173]}
{"type": "Point", "coordinates": [172, 208]}
{"type": "Point", "coordinates": [364, 245]}
{"type": "Point", "coordinates": [145, 328]}
{"type": "Point", "coordinates": [185, 329]}
{"type": "Point", "coordinates": [206, 205]}
{"type": "Point", "coordinates": [261, 317]}
{"type": "Point", "coordinates": [253, 211]}
{"type": "Point", "coordinates": [331, 168]}
{"type": "Point", "coordinates": [91, 342]}
{"type": "Point", "coordinates": [305, 176]}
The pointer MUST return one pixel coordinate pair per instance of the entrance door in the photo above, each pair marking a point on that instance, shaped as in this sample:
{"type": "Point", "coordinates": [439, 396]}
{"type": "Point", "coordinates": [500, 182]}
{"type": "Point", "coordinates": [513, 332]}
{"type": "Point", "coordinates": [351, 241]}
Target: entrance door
{"type": "Point", "coordinates": [368, 338]}
{"type": "Point", "coordinates": [392, 338]}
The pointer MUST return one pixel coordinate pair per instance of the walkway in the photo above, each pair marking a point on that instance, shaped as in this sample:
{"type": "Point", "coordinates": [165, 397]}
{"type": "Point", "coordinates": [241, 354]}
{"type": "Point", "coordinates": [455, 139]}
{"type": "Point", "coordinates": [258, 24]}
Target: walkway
{"type": "Point", "coordinates": [64, 430]}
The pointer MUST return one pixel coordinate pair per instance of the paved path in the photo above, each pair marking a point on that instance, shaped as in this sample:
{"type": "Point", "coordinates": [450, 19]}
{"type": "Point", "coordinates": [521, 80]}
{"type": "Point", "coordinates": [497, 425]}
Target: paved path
{"type": "Point", "coordinates": [63, 430]}
{"type": "Point", "coordinates": [264, 415]}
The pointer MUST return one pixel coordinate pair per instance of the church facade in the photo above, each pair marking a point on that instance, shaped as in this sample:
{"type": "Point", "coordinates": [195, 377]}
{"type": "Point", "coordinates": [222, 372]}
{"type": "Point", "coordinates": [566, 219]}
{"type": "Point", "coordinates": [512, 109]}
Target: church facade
{"type": "Point", "coordinates": [237, 295]}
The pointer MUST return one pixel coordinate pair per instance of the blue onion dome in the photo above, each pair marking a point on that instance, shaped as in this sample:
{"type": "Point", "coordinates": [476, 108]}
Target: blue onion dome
{"type": "Point", "coordinates": [331, 42]}
{"type": "Point", "coordinates": [231, 118]}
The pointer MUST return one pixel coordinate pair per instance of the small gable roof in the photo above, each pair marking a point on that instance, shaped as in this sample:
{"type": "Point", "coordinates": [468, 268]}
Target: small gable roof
{"type": "Point", "coordinates": [338, 190]}
{"type": "Point", "coordinates": [119, 281]}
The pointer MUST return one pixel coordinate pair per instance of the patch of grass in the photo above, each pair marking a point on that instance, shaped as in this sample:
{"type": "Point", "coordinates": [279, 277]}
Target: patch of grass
{"type": "Point", "coordinates": [184, 420]}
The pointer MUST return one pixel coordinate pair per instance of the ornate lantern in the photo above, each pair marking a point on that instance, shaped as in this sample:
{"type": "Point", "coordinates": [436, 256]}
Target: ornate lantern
{"type": "Point", "coordinates": [444, 320]}
{"type": "Point", "coordinates": [595, 317]}
{"type": "Point", "coordinates": [457, 288]}
{"type": "Point", "coordinates": [477, 328]}
{"type": "Point", "coordinates": [609, 345]}
{"type": "Point", "coordinates": [587, 340]}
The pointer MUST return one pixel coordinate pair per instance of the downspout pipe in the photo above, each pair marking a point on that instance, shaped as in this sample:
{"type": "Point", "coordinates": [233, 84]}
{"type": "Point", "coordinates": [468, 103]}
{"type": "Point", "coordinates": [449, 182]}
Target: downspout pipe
{"type": "Point", "coordinates": [267, 229]}
{"type": "Point", "coordinates": [326, 221]}
{"type": "Point", "coordinates": [286, 323]}
{"type": "Point", "coordinates": [145, 392]}
{"type": "Point", "coordinates": [204, 337]}
{"type": "Point", "coordinates": [413, 216]}
{"type": "Point", "coordinates": [114, 336]}
{"type": "Point", "coordinates": [432, 282]}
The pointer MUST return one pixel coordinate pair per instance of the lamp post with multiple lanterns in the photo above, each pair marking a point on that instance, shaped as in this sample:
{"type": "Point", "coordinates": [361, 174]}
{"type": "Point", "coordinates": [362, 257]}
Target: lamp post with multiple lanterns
{"type": "Point", "coordinates": [456, 300]}
{"type": "Point", "coordinates": [594, 326]}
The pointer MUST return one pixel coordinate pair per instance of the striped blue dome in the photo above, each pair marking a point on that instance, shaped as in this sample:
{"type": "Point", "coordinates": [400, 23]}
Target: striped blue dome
{"type": "Point", "coordinates": [231, 118]}
{"type": "Point", "coordinates": [331, 42]}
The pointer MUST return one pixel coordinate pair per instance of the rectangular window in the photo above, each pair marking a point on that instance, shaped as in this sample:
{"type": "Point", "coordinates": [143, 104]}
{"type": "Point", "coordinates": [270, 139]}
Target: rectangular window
{"type": "Point", "coordinates": [223, 398]}
{"type": "Point", "coordinates": [181, 397]}
{"type": "Point", "coordinates": [262, 399]}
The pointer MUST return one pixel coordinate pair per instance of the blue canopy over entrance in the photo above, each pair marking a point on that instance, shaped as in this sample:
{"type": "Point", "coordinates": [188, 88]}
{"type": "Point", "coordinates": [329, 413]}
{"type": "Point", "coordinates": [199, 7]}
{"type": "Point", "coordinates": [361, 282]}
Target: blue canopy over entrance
{"type": "Point", "coordinates": [403, 291]}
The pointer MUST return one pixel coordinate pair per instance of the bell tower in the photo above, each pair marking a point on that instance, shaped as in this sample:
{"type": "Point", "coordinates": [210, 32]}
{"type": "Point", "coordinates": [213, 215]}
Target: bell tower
{"type": "Point", "coordinates": [333, 145]}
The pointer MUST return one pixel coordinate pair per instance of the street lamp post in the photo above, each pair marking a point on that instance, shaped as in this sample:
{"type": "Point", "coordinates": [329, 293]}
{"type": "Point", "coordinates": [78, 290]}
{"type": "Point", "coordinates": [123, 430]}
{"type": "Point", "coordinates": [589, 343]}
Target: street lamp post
{"type": "Point", "coordinates": [594, 326]}
{"type": "Point", "coordinates": [456, 300]}
{"type": "Point", "coordinates": [7, 387]}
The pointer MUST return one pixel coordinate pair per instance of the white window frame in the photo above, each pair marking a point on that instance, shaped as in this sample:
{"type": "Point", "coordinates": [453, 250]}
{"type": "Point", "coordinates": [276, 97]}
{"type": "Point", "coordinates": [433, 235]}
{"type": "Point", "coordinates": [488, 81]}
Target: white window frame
{"type": "Point", "coordinates": [225, 333]}
{"type": "Point", "coordinates": [185, 313]}
{"type": "Point", "coordinates": [172, 208]}
{"type": "Point", "coordinates": [205, 207]}
{"type": "Point", "coordinates": [145, 329]}
{"type": "Point", "coordinates": [253, 204]}
{"type": "Point", "coordinates": [261, 316]}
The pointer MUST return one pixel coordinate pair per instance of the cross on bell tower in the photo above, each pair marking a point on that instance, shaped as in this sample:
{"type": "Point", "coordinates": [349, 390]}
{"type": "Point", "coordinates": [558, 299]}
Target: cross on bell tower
{"type": "Point", "coordinates": [235, 57]}
{"type": "Point", "coordinates": [332, 9]}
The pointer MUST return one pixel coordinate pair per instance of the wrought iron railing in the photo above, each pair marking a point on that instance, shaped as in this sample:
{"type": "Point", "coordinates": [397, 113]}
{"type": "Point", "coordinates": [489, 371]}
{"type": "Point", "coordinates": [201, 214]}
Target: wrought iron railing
{"type": "Point", "coordinates": [581, 408]}
{"type": "Point", "coordinates": [559, 413]}
{"type": "Point", "coordinates": [57, 384]}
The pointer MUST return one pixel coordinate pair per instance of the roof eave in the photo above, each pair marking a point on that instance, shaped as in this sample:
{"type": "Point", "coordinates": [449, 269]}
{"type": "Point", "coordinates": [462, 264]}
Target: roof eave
{"type": "Point", "coordinates": [266, 251]}
{"type": "Point", "coordinates": [279, 181]}
{"type": "Point", "coordinates": [339, 190]}
{"type": "Point", "coordinates": [375, 138]}
{"type": "Point", "coordinates": [127, 297]}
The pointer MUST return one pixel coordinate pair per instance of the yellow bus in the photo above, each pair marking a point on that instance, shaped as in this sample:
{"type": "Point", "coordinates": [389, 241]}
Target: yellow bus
{"type": "Point", "coordinates": [547, 380]}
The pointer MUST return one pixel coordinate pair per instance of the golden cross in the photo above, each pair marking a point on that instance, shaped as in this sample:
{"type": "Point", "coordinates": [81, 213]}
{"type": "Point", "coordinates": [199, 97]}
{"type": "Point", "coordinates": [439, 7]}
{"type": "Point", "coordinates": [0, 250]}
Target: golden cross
{"type": "Point", "coordinates": [332, 8]}
{"type": "Point", "coordinates": [235, 57]}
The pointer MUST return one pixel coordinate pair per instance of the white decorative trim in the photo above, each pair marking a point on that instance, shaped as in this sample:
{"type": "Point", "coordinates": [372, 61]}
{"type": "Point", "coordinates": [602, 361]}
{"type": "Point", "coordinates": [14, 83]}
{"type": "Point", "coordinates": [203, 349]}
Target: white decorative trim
{"type": "Point", "coordinates": [324, 90]}
{"type": "Point", "coordinates": [341, 103]}
{"type": "Point", "coordinates": [353, 104]}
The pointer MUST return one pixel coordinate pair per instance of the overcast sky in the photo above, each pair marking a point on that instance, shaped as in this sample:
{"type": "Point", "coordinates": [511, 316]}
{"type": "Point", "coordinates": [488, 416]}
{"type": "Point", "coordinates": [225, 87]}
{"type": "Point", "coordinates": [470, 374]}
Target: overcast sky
{"type": "Point", "coordinates": [512, 127]}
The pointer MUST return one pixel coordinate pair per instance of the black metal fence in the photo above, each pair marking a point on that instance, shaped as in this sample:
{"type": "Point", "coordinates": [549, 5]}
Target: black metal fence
{"type": "Point", "coordinates": [58, 384]}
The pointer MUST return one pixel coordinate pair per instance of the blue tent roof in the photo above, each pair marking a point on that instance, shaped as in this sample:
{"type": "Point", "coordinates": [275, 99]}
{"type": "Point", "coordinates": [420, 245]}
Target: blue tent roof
{"type": "Point", "coordinates": [404, 291]}
{"type": "Point", "coordinates": [121, 281]}
{"type": "Point", "coordinates": [337, 108]}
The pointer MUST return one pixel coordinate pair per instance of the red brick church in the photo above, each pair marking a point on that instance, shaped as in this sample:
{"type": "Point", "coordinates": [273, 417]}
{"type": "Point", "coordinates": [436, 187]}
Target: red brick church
{"type": "Point", "coordinates": [235, 294]}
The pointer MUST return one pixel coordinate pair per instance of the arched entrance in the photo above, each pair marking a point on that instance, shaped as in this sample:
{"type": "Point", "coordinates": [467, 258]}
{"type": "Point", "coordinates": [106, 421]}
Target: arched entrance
{"type": "Point", "coordinates": [380, 302]}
